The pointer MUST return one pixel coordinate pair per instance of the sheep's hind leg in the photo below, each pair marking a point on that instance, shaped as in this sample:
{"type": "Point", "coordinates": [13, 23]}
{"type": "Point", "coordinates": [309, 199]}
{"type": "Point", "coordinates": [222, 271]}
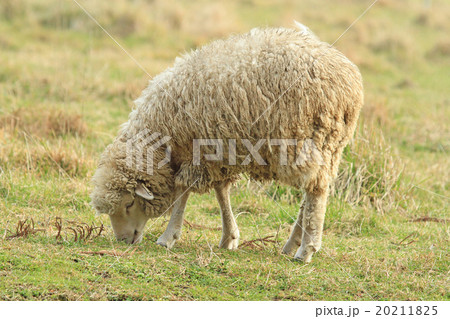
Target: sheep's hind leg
{"type": "Point", "coordinates": [295, 239]}
{"type": "Point", "coordinates": [230, 231]}
{"type": "Point", "coordinates": [313, 218]}
{"type": "Point", "coordinates": [173, 230]}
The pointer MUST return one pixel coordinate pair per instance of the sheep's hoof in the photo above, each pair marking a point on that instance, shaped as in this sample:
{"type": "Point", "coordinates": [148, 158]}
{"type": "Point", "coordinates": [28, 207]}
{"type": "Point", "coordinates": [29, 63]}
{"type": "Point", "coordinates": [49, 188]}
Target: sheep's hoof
{"type": "Point", "coordinates": [229, 242]}
{"type": "Point", "coordinates": [162, 241]}
{"type": "Point", "coordinates": [289, 247]}
{"type": "Point", "coordinates": [164, 244]}
{"type": "Point", "coordinates": [304, 254]}
{"type": "Point", "coordinates": [305, 260]}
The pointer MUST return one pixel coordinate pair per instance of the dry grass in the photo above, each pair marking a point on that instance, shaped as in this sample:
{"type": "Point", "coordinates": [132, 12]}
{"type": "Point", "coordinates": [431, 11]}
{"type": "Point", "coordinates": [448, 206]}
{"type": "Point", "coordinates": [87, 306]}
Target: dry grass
{"type": "Point", "coordinates": [376, 112]}
{"type": "Point", "coordinates": [258, 243]}
{"type": "Point", "coordinates": [441, 50]}
{"type": "Point", "coordinates": [43, 122]}
{"type": "Point", "coordinates": [80, 231]}
{"type": "Point", "coordinates": [197, 226]}
{"type": "Point", "coordinates": [11, 8]}
{"type": "Point", "coordinates": [43, 141]}
{"type": "Point", "coordinates": [437, 19]}
{"type": "Point", "coordinates": [61, 229]}
{"type": "Point", "coordinates": [23, 229]}
{"type": "Point", "coordinates": [397, 44]}
{"type": "Point", "coordinates": [43, 157]}
{"type": "Point", "coordinates": [114, 253]}
{"type": "Point", "coordinates": [210, 21]}
{"type": "Point", "coordinates": [430, 219]}
{"type": "Point", "coordinates": [201, 19]}
{"type": "Point", "coordinates": [371, 175]}
{"type": "Point", "coordinates": [67, 87]}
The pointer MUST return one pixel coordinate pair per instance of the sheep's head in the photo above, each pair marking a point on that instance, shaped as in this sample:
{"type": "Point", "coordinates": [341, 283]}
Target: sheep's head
{"type": "Point", "coordinates": [130, 199]}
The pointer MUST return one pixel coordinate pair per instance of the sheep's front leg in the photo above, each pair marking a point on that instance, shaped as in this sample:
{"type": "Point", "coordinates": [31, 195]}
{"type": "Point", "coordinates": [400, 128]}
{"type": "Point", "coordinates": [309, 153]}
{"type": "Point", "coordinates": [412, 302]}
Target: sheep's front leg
{"type": "Point", "coordinates": [295, 239]}
{"type": "Point", "coordinates": [312, 224]}
{"type": "Point", "coordinates": [173, 230]}
{"type": "Point", "coordinates": [230, 231]}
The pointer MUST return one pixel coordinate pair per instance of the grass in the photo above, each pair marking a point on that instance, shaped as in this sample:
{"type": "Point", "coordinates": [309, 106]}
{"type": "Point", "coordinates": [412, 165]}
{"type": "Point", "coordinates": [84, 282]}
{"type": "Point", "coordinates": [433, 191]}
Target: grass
{"type": "Point", "coordinates": [66, 87]}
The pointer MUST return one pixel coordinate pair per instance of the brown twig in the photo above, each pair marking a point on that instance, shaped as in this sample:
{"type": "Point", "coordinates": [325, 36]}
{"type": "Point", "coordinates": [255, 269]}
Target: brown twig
{"type": "Point", "coordinates": [110, 253]}
{"type": "Point", "coordinates": [101, 228]}
{"type": "Point", "coordinates": [81, 231]}
{"type": "Point", "coordinates": [401, 242]}
{"type": "Point", "coordinates": [24, 228]}
{"type": "Point", "coordinates": [74, 232]}
{"type": "Point", "coordinates": [58, 225]}
{"type": "Point", "coordinates": [429, 219]}
{"type": "Point", "coordinates": [197, 226]}
{"type": "Point", "coordinates": [256, 242]}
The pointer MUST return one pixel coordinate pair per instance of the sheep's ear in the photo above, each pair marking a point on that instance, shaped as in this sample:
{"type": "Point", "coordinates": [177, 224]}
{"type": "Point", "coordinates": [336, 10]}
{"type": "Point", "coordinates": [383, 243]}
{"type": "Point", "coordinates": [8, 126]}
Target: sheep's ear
{"type": "Point", "coordinates": [143, 192]}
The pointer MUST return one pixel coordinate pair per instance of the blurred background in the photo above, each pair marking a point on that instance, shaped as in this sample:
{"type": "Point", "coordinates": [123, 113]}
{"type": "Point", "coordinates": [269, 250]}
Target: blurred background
{"type": "Point", "coordinates": [66, 86]}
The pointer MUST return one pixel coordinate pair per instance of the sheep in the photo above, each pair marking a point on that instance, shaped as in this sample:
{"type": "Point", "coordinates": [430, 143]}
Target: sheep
{"type": "Point", "coordinates": [251, 100]}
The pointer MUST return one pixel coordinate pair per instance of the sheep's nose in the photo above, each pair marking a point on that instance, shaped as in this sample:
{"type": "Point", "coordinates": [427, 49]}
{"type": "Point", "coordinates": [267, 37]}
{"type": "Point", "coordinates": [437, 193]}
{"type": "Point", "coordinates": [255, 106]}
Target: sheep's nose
{"type": "Point", "coordinates": [137, 237]}
{"type": "Point", "coordinates": [128, 240]}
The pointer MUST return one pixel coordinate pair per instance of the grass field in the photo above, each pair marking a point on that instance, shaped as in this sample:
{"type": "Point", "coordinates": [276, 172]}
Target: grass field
{"type": "Point", "coordinates": [66, 87]}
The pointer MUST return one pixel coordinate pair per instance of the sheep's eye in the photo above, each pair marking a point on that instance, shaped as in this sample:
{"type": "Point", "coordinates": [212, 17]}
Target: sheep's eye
{"type": "Point", "coordinates": [128, 206]}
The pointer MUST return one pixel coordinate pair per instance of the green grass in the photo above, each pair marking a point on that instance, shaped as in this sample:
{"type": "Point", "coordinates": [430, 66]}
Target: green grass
{"type": "Point", "coordinates": [57, 64]}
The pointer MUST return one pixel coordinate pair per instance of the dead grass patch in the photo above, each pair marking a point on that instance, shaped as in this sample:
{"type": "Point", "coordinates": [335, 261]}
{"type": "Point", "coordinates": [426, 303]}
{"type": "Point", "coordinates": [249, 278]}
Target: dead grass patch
{"type": "Point", "coordinates": [62, 159]}
{"type": "Point", "coordinates": [440, 50]}
{"type": "Point", "coordinates": [44, 122]}
{"type": "Point", "coordinates": [370, 174]}
{"type": "Point", "coordinates": [10, 9]}
{"type": "Point", "coordinates": [394, 44]}
{"type": "Point", "coordinates": [42, 156]}
{"type": "Point", "coordinates": [210, 21]}
{"type": "Point", "coordinates": [405, 84]}
{"type": "Point", "coordinates": [125, 18]}
{"type": "Point", "coordinates": [375, 111]}
{"type": "Point", "coordinates": [437, 19]}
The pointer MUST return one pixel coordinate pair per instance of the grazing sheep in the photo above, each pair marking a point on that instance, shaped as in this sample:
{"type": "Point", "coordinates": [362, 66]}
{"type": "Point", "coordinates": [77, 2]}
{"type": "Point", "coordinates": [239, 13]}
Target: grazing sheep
{"type": "Point", "coordinates": [256, 99]}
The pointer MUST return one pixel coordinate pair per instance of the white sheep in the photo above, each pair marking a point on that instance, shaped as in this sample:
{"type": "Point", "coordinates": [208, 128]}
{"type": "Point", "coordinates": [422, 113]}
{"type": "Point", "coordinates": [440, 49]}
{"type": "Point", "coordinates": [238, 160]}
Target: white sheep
{"type": "Point", "coordinates": [284, 87]}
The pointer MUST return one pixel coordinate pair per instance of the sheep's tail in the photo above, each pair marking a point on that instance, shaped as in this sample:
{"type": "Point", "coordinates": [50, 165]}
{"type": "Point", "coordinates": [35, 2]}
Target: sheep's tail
{"type": "Point", "coordinates": [304, 29]}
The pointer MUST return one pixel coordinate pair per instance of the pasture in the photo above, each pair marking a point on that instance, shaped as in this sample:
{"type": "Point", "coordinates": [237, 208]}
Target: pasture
{"type": "Point", "coordinates": [66, 86]}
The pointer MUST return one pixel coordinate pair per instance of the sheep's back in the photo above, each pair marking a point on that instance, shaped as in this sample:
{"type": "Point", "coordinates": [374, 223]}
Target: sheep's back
{"type": "Point", "coordinates": [266, 84]}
